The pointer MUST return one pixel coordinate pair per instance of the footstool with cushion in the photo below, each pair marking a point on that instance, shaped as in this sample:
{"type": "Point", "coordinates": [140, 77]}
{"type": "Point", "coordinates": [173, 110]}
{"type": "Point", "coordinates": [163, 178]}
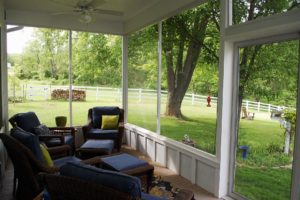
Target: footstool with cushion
{"type": "Point", "coordinates": [130, 165]}
{"type": "Point", "coordinates": [91, 148]}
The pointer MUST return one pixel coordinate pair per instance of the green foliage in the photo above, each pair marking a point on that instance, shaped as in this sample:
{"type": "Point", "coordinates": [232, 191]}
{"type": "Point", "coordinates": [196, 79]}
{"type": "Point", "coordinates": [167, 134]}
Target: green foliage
{"type": "Point", "coordinates": [142, 58]}
{"type": "Point", "coordinates": [290, 116]}
{"type": "Point", "coordinates": [247, 10]}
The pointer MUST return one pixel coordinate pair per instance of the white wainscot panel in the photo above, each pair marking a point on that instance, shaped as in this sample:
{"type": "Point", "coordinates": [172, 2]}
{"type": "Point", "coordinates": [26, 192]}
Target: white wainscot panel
{"type": "Point", "coordinates": [185, 166]}
{"type": "Point", "coordinates": [141, 144]}
{"type": "Point", "coordinates": [150, 148]}
{"type": "Point", "coordinates": [172, 162]}
{"type": "Point", "coordinates": [205, 176]}
{"type": "Point", "coordinates": [160, 153]}
{"type": "Point", "coordinates": [133, 136]}
{"type": "Point", "coordinates": [126, 138]}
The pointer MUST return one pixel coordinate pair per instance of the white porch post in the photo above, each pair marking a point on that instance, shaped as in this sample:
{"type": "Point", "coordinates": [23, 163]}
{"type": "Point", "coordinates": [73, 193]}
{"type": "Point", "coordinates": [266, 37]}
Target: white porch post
{"type": "Point", "coordinates": [159, 48]}
{"type": "Point", "coordinates": [70, 77]}
{"type": "Point", "coordinates": [125, 76]}
{"type": "Point", "coordinates": [3, 70]}
{"type": "Point", "coordinates": [296, 160]}
{"type": "Point", "coordinates": [225, 106]}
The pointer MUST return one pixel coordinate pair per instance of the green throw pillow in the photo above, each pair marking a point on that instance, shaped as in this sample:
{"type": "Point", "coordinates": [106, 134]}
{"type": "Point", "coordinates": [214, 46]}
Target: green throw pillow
{"type": "Point", "coordinates": [46, 156]}
{"type": "Point", "coordinates": [109, 122]}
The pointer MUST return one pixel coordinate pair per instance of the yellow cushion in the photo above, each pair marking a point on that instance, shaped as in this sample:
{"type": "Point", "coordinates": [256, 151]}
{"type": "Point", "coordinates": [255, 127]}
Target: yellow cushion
{"type": "Point", "coordinates": [46, 156]}
{"type": "Point", "coordinates": [110, 122]}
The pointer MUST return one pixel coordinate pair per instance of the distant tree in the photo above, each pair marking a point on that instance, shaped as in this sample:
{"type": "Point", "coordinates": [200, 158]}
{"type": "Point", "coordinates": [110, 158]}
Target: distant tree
{"type": "Point", "coordinates": [97, 59]}
{"type": "Point", "coordinates": [185, 40]}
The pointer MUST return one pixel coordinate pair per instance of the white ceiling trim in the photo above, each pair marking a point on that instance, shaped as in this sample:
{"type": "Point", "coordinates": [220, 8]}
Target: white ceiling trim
{"type": "Point", "coordinates": [24, 18]}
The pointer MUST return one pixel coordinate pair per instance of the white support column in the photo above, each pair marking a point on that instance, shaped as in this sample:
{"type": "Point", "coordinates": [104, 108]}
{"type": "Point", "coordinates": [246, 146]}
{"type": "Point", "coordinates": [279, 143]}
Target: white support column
{"type": "Point", "coordinates": [4, 74]}
{"type": "Point", "coordinates": [125, 76]}
{"type": "Point", "coordinates": [70, 76]}
{"type": "Point", "coordinates": [159, 48]}
{"type": "Point", "coordinates": [296, 160]}
{"type": "Point", "coordinates": [225, 105]}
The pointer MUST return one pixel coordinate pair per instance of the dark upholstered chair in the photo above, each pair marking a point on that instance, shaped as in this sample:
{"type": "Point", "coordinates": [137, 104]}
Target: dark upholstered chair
{"type": "Point", "coordinates": [93, 128]}
{"type": "Point", "coordinates": [59, 135]}
{"type": "Point", "coordinates": [77, 181]}
{"type": "Point", "coordinates": [27, 166]}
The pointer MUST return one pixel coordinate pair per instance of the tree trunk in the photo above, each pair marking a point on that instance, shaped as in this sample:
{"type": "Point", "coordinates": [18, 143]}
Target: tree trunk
{"type": "Point", "coordinates": [180, 72]}
{"type": "Point", "coordinates": [174, 105]}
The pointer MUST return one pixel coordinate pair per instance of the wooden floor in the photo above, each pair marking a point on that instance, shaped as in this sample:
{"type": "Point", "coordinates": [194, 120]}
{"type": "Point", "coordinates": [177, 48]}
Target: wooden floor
{"type": "Point", "coordinates": [168, 175]}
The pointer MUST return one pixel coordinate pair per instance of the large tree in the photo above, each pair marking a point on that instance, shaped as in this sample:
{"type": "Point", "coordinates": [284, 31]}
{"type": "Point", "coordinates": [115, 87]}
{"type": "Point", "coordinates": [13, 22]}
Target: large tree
{"type": "Point", "coordinates": [184, 42]}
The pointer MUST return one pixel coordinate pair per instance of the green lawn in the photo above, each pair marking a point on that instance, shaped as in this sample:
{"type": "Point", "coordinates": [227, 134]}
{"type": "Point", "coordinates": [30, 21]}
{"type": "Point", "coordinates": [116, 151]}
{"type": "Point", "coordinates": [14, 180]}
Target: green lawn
{"type": "Point", "coordinates": [263, 183]}
{"type": "Point", "coordinates": [258, 177]}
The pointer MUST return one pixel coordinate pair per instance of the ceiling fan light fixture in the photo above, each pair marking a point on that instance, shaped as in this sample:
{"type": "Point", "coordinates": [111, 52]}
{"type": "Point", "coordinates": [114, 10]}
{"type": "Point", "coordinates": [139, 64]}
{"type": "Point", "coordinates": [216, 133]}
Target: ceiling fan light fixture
{"type": "Point", "coordinates": [85, 18]}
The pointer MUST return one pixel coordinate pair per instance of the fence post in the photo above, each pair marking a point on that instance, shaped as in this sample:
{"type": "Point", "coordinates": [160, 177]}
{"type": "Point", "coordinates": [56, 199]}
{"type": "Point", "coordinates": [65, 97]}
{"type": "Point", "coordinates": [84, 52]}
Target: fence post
{"type": "Point", "coordinates": [193, 98]}
{"type": "Point", "coordinates": [258, 106]}
{"type": "Point", "coordinates": [269, 107]}
{"type": "Point", "coordinates": [45, 93]}
{"type": "Point", "coordinates": [30, 93]}
{"type": "Point", "coordinates": [50, 91]}
{"type": "Point", "coordinates": [24, 95]}
{"type": "Point", "coordinates": [119, 95]}
{"type": "Point", "coordinates": [247, 105]}
{"type": "Point", "coordinates": [97, 93]}
{"type": "Point", "coordinates": [140, 95]}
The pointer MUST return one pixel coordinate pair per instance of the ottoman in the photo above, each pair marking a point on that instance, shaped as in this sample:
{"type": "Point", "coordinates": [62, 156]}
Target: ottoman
{"type": "Point", "coordinates": [92, 148]}
{"type": "Point", "coordinates": [130, 165]}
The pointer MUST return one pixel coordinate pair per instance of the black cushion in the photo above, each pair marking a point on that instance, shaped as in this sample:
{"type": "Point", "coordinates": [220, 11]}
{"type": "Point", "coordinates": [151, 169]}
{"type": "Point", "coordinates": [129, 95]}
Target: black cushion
{"type": "Point", "coordinates": [28, 139]}
{"type": "Point", "coordinates": [41, 130]}
{"type": "Point", "coordinates": [97, 113]}
{"type": "Point", "coordinates": [27, 121]}
{"type": "Point", "coordinates": [119, 181]}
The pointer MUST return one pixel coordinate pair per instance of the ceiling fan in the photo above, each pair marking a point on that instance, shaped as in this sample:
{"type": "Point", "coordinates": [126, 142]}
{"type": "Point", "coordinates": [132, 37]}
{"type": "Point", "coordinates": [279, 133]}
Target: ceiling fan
{"type": "Point", "coordinates": [86, 8]}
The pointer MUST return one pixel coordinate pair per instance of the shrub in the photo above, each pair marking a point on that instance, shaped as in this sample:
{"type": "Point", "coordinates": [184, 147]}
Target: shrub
{"type": "Point", "coordinates": [59, 94]}
{"type": "Point", "coordinates": [16, 99]}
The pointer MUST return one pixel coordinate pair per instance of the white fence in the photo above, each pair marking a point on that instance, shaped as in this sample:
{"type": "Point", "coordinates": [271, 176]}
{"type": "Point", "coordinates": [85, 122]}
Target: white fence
{"type": "Point", "coordinates": [43, 92]}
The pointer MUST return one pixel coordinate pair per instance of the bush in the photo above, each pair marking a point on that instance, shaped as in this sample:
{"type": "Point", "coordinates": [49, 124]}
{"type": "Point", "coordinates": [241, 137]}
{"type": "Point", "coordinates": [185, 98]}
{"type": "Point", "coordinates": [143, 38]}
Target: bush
{"type": "Point", "coordinates": [59, 94]}
{"type": "Point", "coordinates": [16, 99]}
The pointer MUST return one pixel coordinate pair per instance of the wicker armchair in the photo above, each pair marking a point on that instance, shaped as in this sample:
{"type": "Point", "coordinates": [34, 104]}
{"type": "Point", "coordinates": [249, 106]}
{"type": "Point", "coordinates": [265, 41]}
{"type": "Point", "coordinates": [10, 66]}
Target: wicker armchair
{"type": "Point", "coordinates": [27, 167]}
{"type": "Point", "coordinates": [92, 130]}
{"type": "Point", "coordinates": [59, 135]}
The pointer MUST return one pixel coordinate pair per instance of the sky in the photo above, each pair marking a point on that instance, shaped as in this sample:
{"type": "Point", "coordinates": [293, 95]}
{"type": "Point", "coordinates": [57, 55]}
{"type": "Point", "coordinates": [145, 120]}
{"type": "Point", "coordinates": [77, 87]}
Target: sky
{"type": "Point", "coordinates": [17, 40]}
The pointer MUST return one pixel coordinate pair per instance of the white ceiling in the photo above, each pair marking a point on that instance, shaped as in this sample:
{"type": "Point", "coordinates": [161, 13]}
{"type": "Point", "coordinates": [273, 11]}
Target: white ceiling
{"type": "Point", "coordinates": [136, 14]}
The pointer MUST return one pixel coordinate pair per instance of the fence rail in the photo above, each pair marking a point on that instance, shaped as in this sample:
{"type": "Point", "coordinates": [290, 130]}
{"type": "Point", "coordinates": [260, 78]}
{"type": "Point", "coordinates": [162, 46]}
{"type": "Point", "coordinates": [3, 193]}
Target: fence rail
{"type": "Point", "coordinates": [43, 92]}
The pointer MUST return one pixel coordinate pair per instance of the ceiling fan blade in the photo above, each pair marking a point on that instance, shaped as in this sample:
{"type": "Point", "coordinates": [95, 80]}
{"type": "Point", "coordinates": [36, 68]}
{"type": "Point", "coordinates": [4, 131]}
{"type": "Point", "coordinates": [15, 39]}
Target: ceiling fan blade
{"type": "Point", "coordinates": [108, 12]}
{"type": "Point", "coordinates": [83, 3]}
{"type": "Point", "coordinates": [69, 3]}
{"type": "Point", "coordinates": [97, 3]}
{"type": "Point", "coordinates": [67, 12]}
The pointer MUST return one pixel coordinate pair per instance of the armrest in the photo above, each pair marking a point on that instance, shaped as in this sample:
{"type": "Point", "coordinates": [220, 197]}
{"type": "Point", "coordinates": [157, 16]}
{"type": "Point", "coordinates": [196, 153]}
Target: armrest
{"type": "Point", "coordinates": [184, 195]}
{"type": "Point", "coordinates": [60, 151]}
{"type": "Point", "coordinates": [86, 128]}
{"type": "Point", "coordinates": [47, 137]}
{"type": "Point", "coordinates": [62, 130]}
{"type": "Point", "coordinates": [92, 161]}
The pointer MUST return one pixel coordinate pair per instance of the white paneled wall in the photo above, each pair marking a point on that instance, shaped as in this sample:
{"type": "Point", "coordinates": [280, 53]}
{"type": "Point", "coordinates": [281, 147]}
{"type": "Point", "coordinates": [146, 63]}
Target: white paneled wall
{"type": "Point", "coordinates": [193, 164]}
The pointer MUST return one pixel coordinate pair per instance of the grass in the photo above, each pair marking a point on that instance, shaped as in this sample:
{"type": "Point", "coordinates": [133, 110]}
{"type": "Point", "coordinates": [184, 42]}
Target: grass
{"type": "Point", "coordinates": [263, 183]}
{"type": "Point", "coordinates": [258, 177]}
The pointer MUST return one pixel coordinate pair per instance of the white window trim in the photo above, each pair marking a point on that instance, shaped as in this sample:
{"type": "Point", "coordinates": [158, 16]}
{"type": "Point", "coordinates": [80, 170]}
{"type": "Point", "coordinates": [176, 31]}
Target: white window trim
{"type": "Point", "coordinates": [233, 144]}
